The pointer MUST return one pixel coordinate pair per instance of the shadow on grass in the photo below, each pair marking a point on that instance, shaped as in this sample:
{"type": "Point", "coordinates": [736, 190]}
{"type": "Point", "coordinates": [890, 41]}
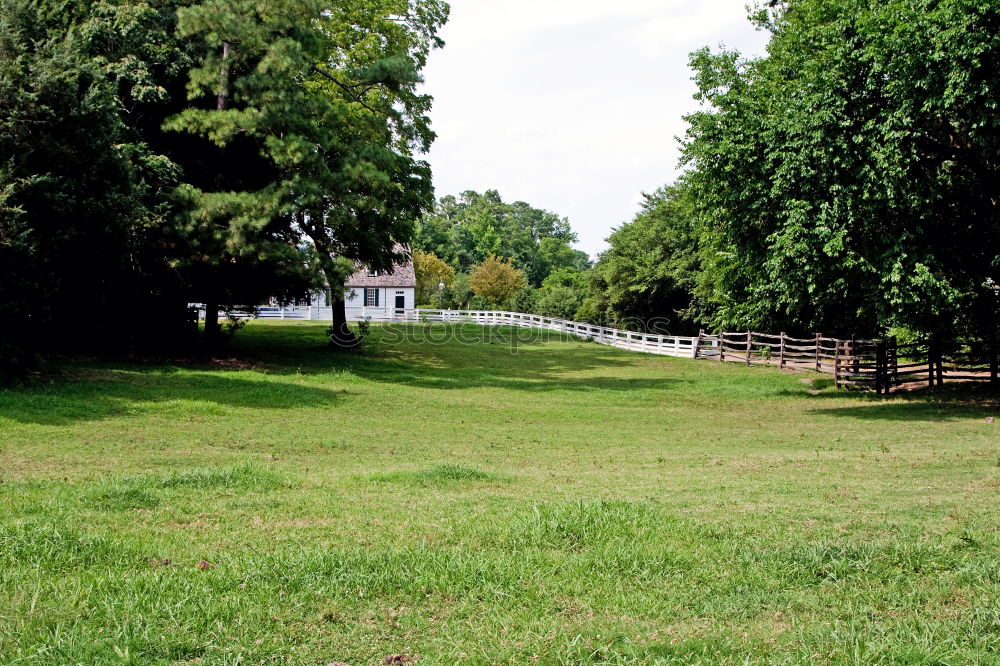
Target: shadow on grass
{"type": "Point", "coordinates": [110, 393]}
{"type": "Point", "coordinates": [448, 357]}
{"type": "Point", "coordinates": [444, 356]}
{"type": "Point", "coordinates": [948, 404]}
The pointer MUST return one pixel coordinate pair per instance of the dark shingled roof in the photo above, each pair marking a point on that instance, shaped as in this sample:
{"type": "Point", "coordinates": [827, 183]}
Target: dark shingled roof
{"type": "Point", "coordinates": [401, 276]}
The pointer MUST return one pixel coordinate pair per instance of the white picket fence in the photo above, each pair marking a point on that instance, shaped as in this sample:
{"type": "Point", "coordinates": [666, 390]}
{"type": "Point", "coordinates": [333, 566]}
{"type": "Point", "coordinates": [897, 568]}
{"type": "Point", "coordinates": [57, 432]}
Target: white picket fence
{"type": "Point", "coordinates": [665, 345]}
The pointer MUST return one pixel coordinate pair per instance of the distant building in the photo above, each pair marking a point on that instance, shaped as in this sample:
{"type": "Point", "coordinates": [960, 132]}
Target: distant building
{"type": "Point", "coordinates": [381, 294]}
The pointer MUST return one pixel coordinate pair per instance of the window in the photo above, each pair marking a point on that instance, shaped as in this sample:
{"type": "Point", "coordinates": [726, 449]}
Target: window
{"type": "Point", "coordinates": [371, 297]}
{"type": "Point", "coordinates": [400, 293]}
{"type": "Point", "coordinates": [372, 272]}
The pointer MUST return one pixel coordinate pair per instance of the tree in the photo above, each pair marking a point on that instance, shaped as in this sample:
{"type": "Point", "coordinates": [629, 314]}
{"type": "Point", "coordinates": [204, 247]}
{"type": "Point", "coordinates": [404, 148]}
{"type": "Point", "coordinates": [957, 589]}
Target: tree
{"type": "Point", "coordinates": [460, 294]}
{"type": "Point", "coordinates": [849, 179]}
{"type": "Point", "coordinates": [218, 151]}
{"type": "Point", "coordinates": [496, 280]}
{"type": "Point", "coordinates": [555, 254]}
{"type": "Point", "coordinates": [465, 230]}
{"type": "Point", "coordinates": [558, 301]}
{"type": "Point", "coordinates": [525, 300]}
{"type": "Point", "coordinates": [652, 267]}
{"type": "Point", "coordinates": [431, 272]}
{"type": "Point", "coordinates": [88, 198]}
{"type": "Point", "coordinates": [327, 92]}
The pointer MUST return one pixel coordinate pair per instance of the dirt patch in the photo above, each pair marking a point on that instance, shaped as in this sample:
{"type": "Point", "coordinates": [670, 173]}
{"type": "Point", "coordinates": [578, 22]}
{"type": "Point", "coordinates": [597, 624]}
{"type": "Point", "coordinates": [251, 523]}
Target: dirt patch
{"type": "Point", "coordinates": [808, 381]}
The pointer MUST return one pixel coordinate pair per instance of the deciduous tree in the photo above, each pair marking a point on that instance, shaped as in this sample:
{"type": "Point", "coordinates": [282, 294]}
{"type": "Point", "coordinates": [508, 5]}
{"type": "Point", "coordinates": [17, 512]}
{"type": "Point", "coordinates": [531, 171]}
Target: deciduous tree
{"type": "Point", "coordinates": [850, 178]}
{"type": "Point", "coordinates": [431, 272]}
{"type": "Point", "coordinates": [465, 230]}
{"type": "Point", "coordinates": [652, 267]}
{"type": "Point", "coordinates": [496, 280]}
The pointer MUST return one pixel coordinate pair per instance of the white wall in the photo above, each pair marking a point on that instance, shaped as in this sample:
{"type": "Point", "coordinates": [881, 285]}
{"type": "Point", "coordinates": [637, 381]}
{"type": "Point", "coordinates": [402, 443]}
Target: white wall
{"type": "Point", "coordinates": [354, 299]}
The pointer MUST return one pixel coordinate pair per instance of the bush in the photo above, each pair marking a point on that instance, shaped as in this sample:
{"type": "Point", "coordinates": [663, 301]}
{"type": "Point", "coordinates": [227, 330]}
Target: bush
{"type": "Point", "coordinates": [523, 301]}
{"type": "Point", "coordinates": [561, 302]}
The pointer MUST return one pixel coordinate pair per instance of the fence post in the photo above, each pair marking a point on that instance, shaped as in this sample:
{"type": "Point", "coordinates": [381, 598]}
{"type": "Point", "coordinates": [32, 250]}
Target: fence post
{"type": "Point", "coordinates": [781, 353]}
{"type": "Point", "coordinates": [697, 343]}
{"type": "Point", "coordinates": [749, 346]}
{"type": "Point", "coordinates": [892, 364]}
{"type": "Point", "coordinates": [818, 337]}
{"type": "Point", "coordinates": [930, 363]}
{"type": "Point", "coordinates": [845, 350]}
{"type": "Point", "coordinates": [939, 358]}
{"type": "Point", "coordinates": [879, 353]}
{"type": "Point", "coordinates": [722, 346]}
{"type": "Point", "coordinates": [881, 367]}
{"type": "Point", "coordinates": [856, 362]}
{"type": "Point", "coordinates": [836, 365]}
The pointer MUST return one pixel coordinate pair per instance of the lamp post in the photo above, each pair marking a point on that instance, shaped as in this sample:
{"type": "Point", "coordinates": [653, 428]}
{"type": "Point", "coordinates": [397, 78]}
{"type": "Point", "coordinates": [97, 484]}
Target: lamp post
{"type": "Point", "coordinates": [441, 295]}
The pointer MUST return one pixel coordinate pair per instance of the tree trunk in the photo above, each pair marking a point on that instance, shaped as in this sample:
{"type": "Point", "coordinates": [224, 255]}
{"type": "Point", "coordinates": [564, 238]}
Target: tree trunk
{"type": "Point", "coordinates": [212, 308]}
{"type": "Point", "coordinates": [211, 325]}
{"type": "Point", "coordinates": [223, 100]}
{"type": "Point", "coordinates": [340, 334]}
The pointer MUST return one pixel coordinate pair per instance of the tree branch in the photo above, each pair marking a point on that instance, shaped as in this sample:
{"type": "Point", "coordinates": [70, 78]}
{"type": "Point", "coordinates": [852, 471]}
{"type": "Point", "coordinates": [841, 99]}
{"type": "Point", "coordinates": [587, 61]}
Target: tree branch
{"type": "Point", "coordinates": [348, 88]}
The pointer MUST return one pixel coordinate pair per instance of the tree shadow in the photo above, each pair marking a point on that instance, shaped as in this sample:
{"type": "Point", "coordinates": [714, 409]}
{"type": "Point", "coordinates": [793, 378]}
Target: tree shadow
{"type": "Point", "coordinates": [101, 393]}
{"type": "Point", "coordinates": [941, 406]}
{"type": "Point", "coordinates": [467, 356]}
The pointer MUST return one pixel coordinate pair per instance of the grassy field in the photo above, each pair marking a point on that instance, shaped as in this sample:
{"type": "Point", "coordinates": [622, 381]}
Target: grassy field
{"type": "Point", "coordinates": [565, 504]}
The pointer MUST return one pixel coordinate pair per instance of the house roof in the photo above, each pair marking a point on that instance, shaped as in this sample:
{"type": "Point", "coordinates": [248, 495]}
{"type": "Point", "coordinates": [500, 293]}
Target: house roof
{"type": "Point", "coordinates": [402, 275]}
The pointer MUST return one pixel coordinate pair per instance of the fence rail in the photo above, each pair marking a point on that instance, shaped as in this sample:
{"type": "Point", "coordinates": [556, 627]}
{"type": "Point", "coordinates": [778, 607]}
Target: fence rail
{"type": "Point", "coordinates": [879, 365]}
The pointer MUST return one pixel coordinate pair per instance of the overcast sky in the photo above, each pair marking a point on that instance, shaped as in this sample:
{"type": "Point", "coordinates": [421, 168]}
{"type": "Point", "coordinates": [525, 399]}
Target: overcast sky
{"type": "Point", "coordinates": [571, 105]}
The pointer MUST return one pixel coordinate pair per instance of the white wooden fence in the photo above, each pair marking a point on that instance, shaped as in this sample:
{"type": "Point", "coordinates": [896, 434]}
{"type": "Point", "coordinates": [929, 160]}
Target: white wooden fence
{"type": "Point", "coordinates": [665, 345]}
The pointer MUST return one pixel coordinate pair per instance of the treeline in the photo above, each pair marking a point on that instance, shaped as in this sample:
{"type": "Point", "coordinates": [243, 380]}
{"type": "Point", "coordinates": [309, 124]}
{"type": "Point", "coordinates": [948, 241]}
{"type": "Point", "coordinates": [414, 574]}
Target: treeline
{"type": "Point", "coordinates": [847, 182]}
{"type": "Point", "coordinates": [162, 152]}
{"type": "Point", "coordinates": [489, 254]}
{"type": "Point", "coordinates": [492, 254]}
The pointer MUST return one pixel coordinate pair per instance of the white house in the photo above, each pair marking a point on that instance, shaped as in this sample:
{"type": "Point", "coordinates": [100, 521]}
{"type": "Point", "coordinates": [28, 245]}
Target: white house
{"type": "Point", "coordinates": [381, 295]}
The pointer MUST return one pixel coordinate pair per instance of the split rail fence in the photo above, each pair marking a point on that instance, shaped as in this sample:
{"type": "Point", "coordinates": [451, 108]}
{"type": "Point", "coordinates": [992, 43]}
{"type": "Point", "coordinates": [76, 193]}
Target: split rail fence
{"type": "Point", "coordinates": [878, 365]}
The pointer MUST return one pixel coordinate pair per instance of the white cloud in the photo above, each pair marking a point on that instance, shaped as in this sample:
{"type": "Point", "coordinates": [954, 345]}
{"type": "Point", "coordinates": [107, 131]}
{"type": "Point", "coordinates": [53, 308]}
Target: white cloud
{"type": "Point", "coordinates": [571, 105]}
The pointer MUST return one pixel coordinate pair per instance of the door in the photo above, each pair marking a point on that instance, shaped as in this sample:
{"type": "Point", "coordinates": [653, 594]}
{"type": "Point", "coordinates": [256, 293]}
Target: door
{"type": "Point", "coordinates": [400, 304]}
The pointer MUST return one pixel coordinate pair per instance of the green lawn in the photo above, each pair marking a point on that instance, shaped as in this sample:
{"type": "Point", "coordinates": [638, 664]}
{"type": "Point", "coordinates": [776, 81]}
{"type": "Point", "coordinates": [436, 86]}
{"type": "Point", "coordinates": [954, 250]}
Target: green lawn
{"type": "Point", "coordinates": [565, 504]}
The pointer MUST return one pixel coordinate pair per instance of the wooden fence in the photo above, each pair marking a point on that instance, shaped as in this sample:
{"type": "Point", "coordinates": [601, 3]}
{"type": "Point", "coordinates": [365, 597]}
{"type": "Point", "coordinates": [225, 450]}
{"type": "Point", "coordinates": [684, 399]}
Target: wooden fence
{"type": "Point", "coordinates": [878, 365]}
{"type": "Point", "coordinates": [935, 362]}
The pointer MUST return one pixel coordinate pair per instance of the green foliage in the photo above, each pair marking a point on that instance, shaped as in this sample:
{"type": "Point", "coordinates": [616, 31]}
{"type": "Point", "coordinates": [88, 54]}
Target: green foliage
{"type": "Point", "coordinates": [849, 178]}
{"type": "Point", "coordinates": [465, 230]}
{"type": "Point", "coordinates": [525, 300]}
{"type": "Point", "coordinates": [652, 266]}
{"type": "Point", "coordinates": [85, 195]}
{"type": "Point", "coordinates": [558, 301]}
{"type": "Point", "coordinates": [460, 293]}
{"type": "Point", "coordinates": [431, 272]}
{"type": "Point", "coordinates": [328, 96]}
{"type": "Point", "coordinates": [496, 280]}
{"type": "Point", "coordinates": [173, 152]}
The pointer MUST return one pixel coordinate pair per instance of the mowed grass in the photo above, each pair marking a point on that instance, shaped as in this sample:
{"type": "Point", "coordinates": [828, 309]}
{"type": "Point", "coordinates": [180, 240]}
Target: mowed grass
{"type": "Point", "coordinates": [469, 501]}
